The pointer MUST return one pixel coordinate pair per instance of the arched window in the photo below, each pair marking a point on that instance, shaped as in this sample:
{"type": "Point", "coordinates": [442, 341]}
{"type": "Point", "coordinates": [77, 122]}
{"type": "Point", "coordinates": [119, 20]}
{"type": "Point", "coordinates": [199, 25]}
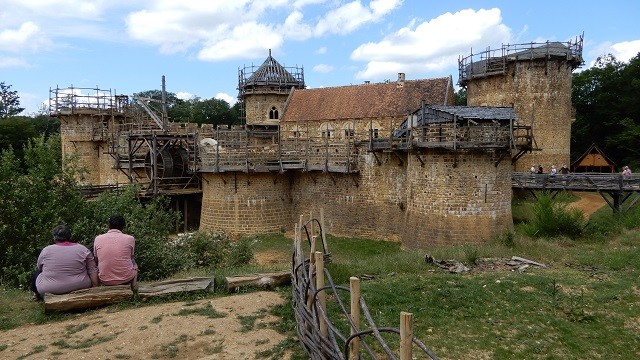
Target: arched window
{"type": "Point", "coordinates": [326, 130]}
{"type": "Point", "coordinates": [348, 130]}
{"type": "Point", "coordinates": [273, 113]}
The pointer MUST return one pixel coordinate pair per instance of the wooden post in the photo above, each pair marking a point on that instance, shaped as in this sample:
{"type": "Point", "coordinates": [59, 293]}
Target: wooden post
{"type": "Point", "coordinates": [313, 226]}
{"type": "Point", "coordinates": [297, 243]}
{"type": "Point", "coordinates": [322, 295]}
{"type": "Point", "coordinates": [323, 232]}
{"type": "Point", "coordinates": [310, 289]}
{"type": "Point", "coordinates": [406, 335]}
{"type": "Point", "coordinates": [354, 346]}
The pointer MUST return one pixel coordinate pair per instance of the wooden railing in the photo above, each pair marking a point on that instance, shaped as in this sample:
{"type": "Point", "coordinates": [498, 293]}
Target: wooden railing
{"type": "Point", "coordinates": [319, 330]}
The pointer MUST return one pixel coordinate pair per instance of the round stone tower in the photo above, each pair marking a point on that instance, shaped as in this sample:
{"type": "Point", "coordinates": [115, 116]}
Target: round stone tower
{"type": "Point", "coordinates": [534, 78]}
{"type": "Point", "coordinates": [264, 91]}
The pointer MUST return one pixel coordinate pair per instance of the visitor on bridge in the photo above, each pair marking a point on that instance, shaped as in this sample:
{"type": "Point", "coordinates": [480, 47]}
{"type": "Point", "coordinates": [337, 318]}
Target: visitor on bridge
{"type": "Point", "coordinates": [114, 254]}
{"type": "Point", "coordinates": [63, 267]}
{"type": "Point", "coordinates": [553, 170]}
{"type": "Point", "coordinates": [626, 173]}
{"type": "Point", "coordinates": [540, 170]}
{"type": "Point", "coordinates": [533, 170]}
{"type": "Point", "coordinates": [564, 170]}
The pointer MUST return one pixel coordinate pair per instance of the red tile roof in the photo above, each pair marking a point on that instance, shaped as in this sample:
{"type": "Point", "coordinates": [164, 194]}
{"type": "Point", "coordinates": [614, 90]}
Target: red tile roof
{"type": "Point", "coordinates": [367, 100]}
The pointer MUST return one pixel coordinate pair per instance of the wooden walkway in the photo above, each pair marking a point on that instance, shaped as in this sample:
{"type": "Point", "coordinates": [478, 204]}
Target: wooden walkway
{"type": "Point", "coordinates": [623, 192]}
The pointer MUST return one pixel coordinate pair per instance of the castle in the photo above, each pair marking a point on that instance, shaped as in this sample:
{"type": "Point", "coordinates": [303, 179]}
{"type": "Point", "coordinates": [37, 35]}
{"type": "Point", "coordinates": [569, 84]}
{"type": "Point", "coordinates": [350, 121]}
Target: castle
{"type": "Point", "coordinates": [394, 160]}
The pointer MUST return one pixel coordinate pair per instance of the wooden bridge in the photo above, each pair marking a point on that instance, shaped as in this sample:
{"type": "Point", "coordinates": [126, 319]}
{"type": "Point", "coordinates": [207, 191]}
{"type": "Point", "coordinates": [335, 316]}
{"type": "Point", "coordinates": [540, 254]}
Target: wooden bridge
{"type": "Point", "coordinates": [624, 192]}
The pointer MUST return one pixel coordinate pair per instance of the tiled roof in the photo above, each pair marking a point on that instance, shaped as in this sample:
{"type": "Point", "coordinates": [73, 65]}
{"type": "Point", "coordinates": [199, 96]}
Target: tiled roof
{"type": "Point", "coordinates": [367, 100]}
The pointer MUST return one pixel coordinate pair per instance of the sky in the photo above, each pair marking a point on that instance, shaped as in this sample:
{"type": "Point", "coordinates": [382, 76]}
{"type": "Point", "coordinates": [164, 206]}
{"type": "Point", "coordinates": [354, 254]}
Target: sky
{"type": "Point", "coordinates": [126, 46]}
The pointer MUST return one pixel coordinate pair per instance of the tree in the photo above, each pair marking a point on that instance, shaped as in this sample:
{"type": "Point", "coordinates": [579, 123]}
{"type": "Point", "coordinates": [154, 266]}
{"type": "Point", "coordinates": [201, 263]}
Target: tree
{"type": "Point", "coordinates": [461, 97]}
{"type": "Point", "coordinates": [9, 102]}
{"type": "Point", "coordinates": [607, 109]}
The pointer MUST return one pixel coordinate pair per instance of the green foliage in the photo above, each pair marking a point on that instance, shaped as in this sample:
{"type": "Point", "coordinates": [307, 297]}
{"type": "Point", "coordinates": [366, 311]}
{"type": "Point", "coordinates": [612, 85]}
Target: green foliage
{"type": "Point", "coordinates": [607, 110]}
{"type": "Point", "coordinates": [553, 218]}
{"type": "Point", "coordinates": [9, 102]}
{"type": "Point", "coordinates": [210, 111]}
{"type": "Point", "coordinates": [461, 97]}
{"type": "Point", "coordinates": [32, 204]}
{"type": "Point", "coordinates": [215, 250]}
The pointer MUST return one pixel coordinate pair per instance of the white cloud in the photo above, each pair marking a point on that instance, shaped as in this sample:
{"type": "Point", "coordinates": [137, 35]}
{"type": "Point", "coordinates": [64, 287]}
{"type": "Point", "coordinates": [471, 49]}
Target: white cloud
{"type": "Point", "coordinates": [226, 97]}
{"type": "Point", "coordinates": [27, 37]}
{"type": "Point", "coordinates": [432, 45]}
{"type": "Point", "coordinates": [294, 28]}
{"type": "Point", "coordinates": [7, 62]}
{"type": "Point", "coordinates": [353, 15]}
{"type": "Point", "coordinates": [245, 41]}
{"type": "Point", "coordinates": [302, 3]}
{"type": "Point", "coordinates": [323, 68]}
{"type": "Point", "coordinates": [625, 50]}
{"type": "Point", "coordinates": [183, 95]}
{"type": "Point", "coordinates": [322, 50]}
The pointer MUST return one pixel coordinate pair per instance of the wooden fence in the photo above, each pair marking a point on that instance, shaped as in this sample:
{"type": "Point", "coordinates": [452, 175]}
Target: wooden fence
{"type": "Point", "coordinates": [322, 332]}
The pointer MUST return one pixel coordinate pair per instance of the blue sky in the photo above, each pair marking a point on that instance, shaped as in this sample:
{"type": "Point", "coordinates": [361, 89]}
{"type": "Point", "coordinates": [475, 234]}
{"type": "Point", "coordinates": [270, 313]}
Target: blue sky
{"type": "Point", "coordinates": [127, 45]}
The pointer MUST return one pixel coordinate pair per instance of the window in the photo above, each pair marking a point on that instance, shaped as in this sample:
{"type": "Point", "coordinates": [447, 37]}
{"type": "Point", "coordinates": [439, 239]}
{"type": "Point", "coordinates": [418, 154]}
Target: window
{"type": "Point", "coordinates": [348, 130]}
{"type": "Point", "coordinates": [273, 113]}
{"type": "Point", "coordinates": [326, 131]}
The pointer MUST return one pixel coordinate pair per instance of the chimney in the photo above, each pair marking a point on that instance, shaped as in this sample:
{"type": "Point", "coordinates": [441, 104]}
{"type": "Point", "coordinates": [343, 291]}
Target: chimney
{"type": "Point", "coordinates": [400, 82]}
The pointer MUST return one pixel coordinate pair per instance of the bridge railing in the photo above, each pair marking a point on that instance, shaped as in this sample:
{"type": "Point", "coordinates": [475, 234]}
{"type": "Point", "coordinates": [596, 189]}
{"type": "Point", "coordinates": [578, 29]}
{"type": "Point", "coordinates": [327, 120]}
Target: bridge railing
{"type": "Point", "coordinates": [577, 181]}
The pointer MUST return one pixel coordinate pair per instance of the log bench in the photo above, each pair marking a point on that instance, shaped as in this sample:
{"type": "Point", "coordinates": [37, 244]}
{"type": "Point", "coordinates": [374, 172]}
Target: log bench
{"type": "Point", "coordinates": [265, 280]}
{"type": "Point", "coordinates": [107, 295]}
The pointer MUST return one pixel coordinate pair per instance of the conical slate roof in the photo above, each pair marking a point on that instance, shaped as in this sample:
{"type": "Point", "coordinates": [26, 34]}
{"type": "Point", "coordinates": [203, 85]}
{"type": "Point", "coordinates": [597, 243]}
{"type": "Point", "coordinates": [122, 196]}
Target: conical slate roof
{"type": "Point", "coordinates": [272, 73]}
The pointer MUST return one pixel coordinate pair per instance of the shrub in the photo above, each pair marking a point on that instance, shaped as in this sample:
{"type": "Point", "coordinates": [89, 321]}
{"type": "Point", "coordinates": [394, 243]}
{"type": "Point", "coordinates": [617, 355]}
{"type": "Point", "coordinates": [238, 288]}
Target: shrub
{"type": "Point", "coordinates": [553, 218]}
{"type": "Point", "coordinates": [215, 250]}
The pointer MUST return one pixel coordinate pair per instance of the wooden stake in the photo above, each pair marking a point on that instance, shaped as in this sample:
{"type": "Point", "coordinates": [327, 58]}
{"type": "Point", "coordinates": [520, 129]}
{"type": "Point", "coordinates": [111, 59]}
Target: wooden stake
{"type": "Point", "coordinates": [323, 231]}
{"type": "Point", "coordinates": [406, 335]}
{"type": "Point", "coordinates": [322, 295]}
{"type": "Point", "coordinates": [354, 346]}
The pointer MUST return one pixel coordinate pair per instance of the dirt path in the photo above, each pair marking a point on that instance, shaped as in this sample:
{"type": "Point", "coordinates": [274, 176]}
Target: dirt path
{"type": "Point", "coordinates": [231, 327]}
{"type": "Point", "coordinates": [589, 202]}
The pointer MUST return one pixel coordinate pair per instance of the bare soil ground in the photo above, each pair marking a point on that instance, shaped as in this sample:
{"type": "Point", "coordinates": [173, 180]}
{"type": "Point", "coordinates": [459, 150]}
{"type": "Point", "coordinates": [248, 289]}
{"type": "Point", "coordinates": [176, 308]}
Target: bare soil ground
{"type": "Point", "coordinates": [239, 329]}
{"type": "Point", "coordinates": [589, 202]}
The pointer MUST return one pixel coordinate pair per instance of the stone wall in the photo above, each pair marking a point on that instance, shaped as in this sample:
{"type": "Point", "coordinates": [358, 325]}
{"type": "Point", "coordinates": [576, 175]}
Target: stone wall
{"type": "Point", "coordinates": [240, 203]}
{"type": "Point", "coordinates": [537, 89]}
{"type": "Point", "coordinates": [456, 199]}
{"type": "Point", "coordinates": [391, 198]}
{"type": "Point", "coordinates": [257, 107]}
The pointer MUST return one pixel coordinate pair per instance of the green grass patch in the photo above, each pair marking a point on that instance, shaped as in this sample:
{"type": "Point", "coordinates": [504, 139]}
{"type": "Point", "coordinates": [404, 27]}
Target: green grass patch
{"type": "Point", "coordinates": [206, 310]}
{"type": "Point", "coordinates": [248, 322]}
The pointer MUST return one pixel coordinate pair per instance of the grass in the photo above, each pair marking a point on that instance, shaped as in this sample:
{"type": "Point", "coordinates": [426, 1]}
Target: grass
{"type": "Point", "coordinates": [583, 305]}
{"type": "Point", "coordinates": [206, 310]}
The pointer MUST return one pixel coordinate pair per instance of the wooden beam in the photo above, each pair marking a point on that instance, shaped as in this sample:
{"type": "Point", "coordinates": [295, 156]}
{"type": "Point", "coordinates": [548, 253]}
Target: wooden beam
{"type": "Point", "coordinates": [175, 286]}
{"type": "Point", "coordinates": [265, 280]}
{"type": "Point", "coordinates": [87, 298]}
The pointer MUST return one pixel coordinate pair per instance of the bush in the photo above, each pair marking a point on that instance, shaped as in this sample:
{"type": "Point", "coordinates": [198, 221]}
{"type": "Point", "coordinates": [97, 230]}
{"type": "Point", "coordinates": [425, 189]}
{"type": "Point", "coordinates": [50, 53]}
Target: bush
{"type": "Point", "coordinates": [215, 250]}
{"type": "Point", "coordinates": [552, 218]}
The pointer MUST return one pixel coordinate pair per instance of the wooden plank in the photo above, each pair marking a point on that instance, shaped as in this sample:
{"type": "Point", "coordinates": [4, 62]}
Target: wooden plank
{"type": "Point", "coordinates": [175, 286]}
{"type": "Point", "coordinates": [87, 298]}
{"type": "Point", "coordinates": [265, 280]}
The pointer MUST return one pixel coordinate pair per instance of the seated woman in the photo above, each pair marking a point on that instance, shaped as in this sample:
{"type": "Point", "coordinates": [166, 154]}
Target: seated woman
{"type": "Point", "coordinates": [64, 266]}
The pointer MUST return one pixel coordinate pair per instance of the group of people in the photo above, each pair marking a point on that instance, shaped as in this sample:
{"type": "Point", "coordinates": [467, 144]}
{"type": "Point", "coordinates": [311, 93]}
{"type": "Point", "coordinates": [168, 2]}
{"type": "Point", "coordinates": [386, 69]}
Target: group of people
{"type": "Point", "coordinates": [564, 170]}
{"type": "Point", "coordinates": [66, 266]}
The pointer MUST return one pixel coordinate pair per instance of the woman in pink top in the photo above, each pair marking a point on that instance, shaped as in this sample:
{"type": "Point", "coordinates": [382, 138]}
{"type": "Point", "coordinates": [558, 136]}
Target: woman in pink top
{"type": "Point", "coordinates": [64, 266]}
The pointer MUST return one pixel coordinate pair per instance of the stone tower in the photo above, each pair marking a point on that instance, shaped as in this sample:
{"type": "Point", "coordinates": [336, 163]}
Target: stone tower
{"type": "Point", "coordinates": [534, 78]}
{"type": "Point", "coordinates": [264, 91]}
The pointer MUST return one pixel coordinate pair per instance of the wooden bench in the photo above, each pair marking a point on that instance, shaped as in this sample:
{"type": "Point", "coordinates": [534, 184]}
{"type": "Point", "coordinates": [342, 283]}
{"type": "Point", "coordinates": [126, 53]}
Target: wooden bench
{"type": "Point", "coordinates": [107, 295]}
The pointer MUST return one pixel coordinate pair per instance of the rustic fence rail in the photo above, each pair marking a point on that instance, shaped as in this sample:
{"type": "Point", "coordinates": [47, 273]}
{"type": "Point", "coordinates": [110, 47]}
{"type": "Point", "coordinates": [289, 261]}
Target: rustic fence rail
{"type": "Point", "coordinates": [322, 332]}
